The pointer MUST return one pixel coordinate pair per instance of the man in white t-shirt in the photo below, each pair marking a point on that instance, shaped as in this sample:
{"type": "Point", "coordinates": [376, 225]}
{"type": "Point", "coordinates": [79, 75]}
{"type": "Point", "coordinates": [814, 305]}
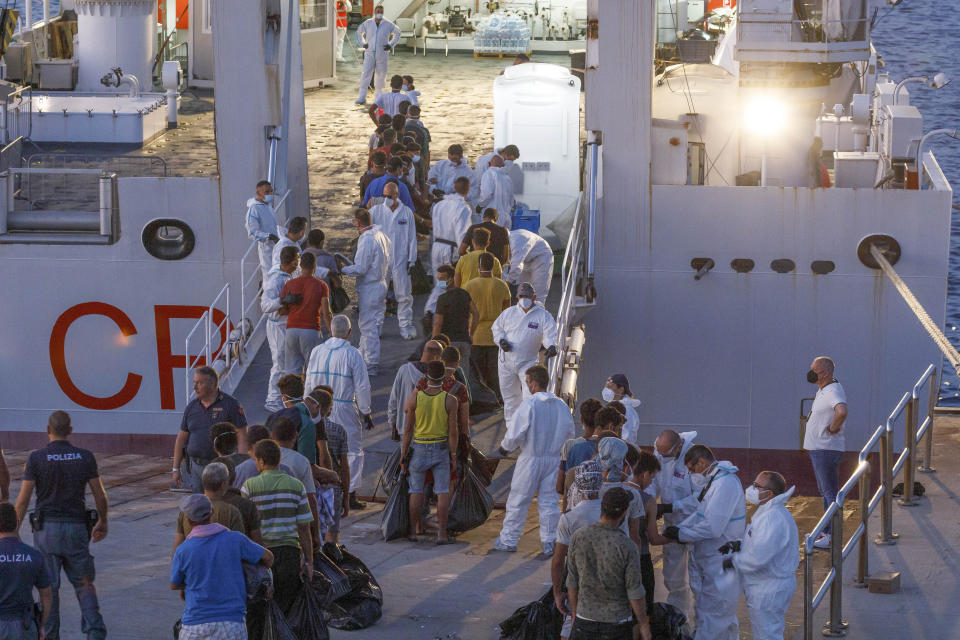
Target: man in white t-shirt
{"type": "Point", "coordinates": [824, 437]}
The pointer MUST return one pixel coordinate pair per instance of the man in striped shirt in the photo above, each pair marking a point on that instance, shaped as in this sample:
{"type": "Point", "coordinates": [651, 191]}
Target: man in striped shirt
{"type": "Point", "coordinates": [284, 521]}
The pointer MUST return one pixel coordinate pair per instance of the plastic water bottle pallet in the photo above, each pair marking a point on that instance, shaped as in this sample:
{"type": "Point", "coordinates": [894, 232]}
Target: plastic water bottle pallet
{"type": "Point", "coordinates": [498, 54]}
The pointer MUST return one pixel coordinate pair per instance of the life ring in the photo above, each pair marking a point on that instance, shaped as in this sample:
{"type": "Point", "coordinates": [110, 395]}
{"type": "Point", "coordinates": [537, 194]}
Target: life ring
{"type": "Point", "coordinates": [168, 239]}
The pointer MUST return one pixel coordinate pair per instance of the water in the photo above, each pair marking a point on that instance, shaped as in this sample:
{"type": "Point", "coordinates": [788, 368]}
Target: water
{"type": "Point", "coordinates": [918, 38]}
{"type": "Point", "coordinates": [37, 7]}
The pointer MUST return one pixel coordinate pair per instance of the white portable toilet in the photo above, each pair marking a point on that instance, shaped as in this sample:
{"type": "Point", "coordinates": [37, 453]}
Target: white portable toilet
{"type": "Point", "coordinates": [536, 107]}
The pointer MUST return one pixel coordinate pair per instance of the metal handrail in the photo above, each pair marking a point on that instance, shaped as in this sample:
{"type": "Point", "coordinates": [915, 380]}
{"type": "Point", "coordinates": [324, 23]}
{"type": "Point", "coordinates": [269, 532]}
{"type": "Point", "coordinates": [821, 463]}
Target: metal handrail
{"type": "Point", "coordinates": [191, 364]}
{"type": "Point", "coordinates": [214, 330]}
{"type": "Point", "coordinates": [571, 260]}
{"type": "Point", "coordinates": [882, 497]}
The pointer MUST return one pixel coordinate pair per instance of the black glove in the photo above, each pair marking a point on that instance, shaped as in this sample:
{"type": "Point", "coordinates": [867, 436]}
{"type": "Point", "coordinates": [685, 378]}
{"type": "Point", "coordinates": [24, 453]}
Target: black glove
{"type": "Point", "coordinates": [727, 564]}
{"type": "Point", "coordinates": [731, 547]}
{"type": "Point", "coordinates": [367, 422]}
{"type": "Point", "coordinates": [386, 47]}
{"type": "Point", "coordinates": [551, 352]}
{"type": "Point", "coordinates": [672, 532]}
{"type": "Point", "coordinates": [437, 193]}
{"type": "Point", "coordinates": [479, 209]}
{"type": "Point", "coordinates": [274, 239]}
{"type": "Point", "coordinates": [503, 452]}
{"type": "Point", "coordinates": [410, 269]}
{"type": "Point", "coordinates": [505, 345]}
{"type": "Point", "coordinates": [664, 508]}
{"type": "Point", "coordinates": [292, 298]}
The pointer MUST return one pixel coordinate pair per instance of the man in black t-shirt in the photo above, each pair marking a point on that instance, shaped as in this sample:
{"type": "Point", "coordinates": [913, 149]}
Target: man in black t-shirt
{"type": "Point", "coordinates": [457, 317]}
{"type": "Point", "coordinates": [21, 569]}
{"type": "Point", "coordinates": [499, 237]}
{"type": "Point", "coordinates": [60, 473]}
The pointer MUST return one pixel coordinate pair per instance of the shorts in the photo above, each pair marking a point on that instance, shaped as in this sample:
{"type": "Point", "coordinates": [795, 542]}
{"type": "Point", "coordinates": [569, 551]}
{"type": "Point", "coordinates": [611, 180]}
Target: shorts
{"type": "Point", "coordinates": [434, 456]}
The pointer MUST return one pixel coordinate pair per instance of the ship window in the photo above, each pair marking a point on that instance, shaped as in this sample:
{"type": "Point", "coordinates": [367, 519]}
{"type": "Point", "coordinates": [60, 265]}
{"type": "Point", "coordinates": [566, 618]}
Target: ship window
{"type": "Point", "coordinates": [313, 14]}
{"type": "Point", "coordinates": [742, 265]}
{"type": "Point", "coordinates": [168, 239]}
{"type": "Point", "coordinates": [822, 267]}
{"type": "Point", "coordinates": [783, 265]}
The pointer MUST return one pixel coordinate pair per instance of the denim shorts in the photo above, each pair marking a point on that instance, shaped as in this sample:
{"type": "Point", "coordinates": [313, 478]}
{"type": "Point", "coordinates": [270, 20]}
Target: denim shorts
{"type": "Point", "coordinates": [435, 457]}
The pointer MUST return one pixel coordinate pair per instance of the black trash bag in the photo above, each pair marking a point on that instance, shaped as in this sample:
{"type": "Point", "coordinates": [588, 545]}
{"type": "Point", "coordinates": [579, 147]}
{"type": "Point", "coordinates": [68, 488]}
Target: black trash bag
{"type": "Point", "coordinates": [363, 606]}
{"type": "Point", "coordinates": [329, 581]}
{"type": "Point", "coordinates": [421, 283]}
{"type": "Point", "coordinates": [390, 471]}
{"type": "Point", "coordinates": [332, 549]}
{"type": "Point", "coordinates": [275, 625]}
{"type": "Point", "coordinates": [259, 581]}
{"type": "Point", "coordinates": [471, 503]}
{"type": "Point", "coordinates": [918, 489]}
{"type": "Point", "coordinates": [539, 620]}
{"type": "Point", "coordinates": [176, 629]}
{"type": "Point", "coordinates": [484, 467]}
{"type": "Point", "coordinates": [339, 300]}
{"type": "Point", "coordinates": [306, 616]}
{"type": "Point", "coordinates": [362, 582]}
{"type": "Point", "coordinates": [666, 622]}
{"type": "Point", "coordinates": [395, 520]}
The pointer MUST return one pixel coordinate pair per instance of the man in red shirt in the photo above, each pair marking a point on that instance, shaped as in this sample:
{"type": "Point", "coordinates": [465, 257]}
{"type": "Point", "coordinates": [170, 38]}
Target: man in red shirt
{"type": "Point", "coordinates": [306, 303]}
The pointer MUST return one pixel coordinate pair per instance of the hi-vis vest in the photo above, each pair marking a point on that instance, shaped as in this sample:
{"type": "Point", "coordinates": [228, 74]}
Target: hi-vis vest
{"type": "Point", "coordinates": [341, 15]}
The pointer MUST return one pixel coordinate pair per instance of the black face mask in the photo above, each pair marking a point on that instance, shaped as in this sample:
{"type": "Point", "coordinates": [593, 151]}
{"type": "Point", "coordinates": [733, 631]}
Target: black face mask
{"type": "Point", "coordinates": [812, 376]}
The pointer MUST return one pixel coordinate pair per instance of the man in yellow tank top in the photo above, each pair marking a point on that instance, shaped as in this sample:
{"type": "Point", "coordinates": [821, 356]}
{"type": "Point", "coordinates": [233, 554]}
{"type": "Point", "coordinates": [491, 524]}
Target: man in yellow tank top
{"type": "Point", "coordinates": [433, 441]}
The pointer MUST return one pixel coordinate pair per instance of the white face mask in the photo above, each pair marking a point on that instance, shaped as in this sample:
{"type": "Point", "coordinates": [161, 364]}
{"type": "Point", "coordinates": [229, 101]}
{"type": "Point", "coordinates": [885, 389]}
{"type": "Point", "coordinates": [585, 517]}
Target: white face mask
{"type": "Point", "coordinates": [752, 495]}
{"type": "Point", "coordinates": [525, 303]}
{"type": "Point", "coordinates": [607, 394]}
{"type": "Point", "coordinates": [389, 202]}
{"type": "Point", "coordinates": [699, 480]}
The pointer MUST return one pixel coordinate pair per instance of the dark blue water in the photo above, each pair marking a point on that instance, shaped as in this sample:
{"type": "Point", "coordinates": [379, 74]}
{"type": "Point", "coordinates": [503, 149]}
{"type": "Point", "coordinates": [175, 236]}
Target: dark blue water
{"type": "Point", "coordinates": [919, 38]}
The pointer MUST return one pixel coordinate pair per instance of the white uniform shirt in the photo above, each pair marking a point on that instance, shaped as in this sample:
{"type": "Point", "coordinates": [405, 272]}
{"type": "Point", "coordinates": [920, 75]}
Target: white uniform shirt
{"type": "Point", "coordinates": [372, 260]}
{"type": "Point", "coordinates": [526, 245]}
{"type": "Point", "coordinates": [445, 173]}
{"type": "Point", "coordinates": [270, 300]}
{"type": "Point", "coordinates": [451, 218]}
{"type": "Point", "coordinates": [496, 190]}
{"type": "Point", "coordinates": [540, 426]}
{"type": "Point", "coordinates": [525, 332]}
{"type": "Point", "coordinates": [816, 435]}
{"type": "Point", "coordinates": [401, 229]}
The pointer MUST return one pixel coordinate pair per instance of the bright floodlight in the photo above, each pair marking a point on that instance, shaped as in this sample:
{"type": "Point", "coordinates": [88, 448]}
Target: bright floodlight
{"type": "Point", "coordinates": [764, 116]}
{"type": "Point", "coordinates": [940, 80]}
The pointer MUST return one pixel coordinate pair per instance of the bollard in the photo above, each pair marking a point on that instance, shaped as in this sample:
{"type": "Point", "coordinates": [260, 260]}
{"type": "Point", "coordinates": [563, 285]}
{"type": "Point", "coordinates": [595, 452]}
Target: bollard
{"type": "Point", "coordinates": [910, 442]}
{"type": "Point", "coordinates": [887, 536]}
{"type": "Point", "coordinates": [862, 549]}
{"type": "Point", "coordinates": [836, 627]}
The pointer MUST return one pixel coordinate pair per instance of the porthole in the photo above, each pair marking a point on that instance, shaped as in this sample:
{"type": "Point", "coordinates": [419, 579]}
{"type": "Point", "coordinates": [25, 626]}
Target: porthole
{"type": "Point", "coordinates": [168, 239]}
{"type": "Point", "coordinates": [822, 267]}
{"type": "Point", "coordinates": [783, 265]}
{"type": "Point", "coordinates": [742, 265]}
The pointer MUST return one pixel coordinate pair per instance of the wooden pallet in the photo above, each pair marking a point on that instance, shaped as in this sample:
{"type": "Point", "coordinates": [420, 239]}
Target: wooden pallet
{"type": "Point", "coordinates": [501, 55]}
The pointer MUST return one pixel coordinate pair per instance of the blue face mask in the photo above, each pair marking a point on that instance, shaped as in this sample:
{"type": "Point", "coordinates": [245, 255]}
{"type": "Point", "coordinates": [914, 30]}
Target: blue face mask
{"type": "Point", "coordinates": [268, 198]}
{"type": "Point", "coordinates": [403, 87]}
{"type": "Point", "coordinates": [416, 159]}
{"type": "Point", "coordinates": [442, 284]}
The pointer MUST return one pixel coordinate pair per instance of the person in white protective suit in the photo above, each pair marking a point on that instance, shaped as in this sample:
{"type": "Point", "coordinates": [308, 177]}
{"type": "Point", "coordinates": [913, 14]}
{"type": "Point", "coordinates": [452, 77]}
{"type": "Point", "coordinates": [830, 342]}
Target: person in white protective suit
{"type": "Point", "coordinates": [767, 558]}
{"type": "Point", "coordinates": [262, 225]}
{"type": "Point", "coordinates": [542, 424]}
{"type": "Point", "coordinates": [531, 260]}
{"type": "Point", "coordinates": [276, 323]}
{"type": "Point", "coordinates": [520, 331]}
{"type": "Point", "coordinates": [678, 500]}
{"type": "Point", "coordinates": [617, 388]}
{"type": "Point", "coordinates": [483, 163]}
{"type": "Point", "coordinates": [496, 190]}
{"type": "Point", "coordinates": [396, 220]}
{"type": "Point", "coordinates": [451, 219]}
{"type": "Point", "coordinates": [444, 173]}
{"type": "Point", "coordinates": [718, 519]}
{"type": "Point", "coordinates": [375, 37]}
{"type": "Point", "coordinates": [296, 231]}
{"type": "Point", "coordinates": [344, 7]}
{"type": "Point", "coordinates": [370, 266]}
{"type": "Point", "coordinates": [337, 364]}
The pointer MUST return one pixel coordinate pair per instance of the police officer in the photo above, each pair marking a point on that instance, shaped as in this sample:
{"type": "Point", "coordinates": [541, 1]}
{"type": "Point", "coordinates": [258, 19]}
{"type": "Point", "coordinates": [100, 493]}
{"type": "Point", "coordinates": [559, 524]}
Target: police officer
{"type": "Point", "coordinates": [21, 569]}
{"type": "Point", "coordinates": [209, 407]}
{"type": "Point", "coordinates": [62, 525]}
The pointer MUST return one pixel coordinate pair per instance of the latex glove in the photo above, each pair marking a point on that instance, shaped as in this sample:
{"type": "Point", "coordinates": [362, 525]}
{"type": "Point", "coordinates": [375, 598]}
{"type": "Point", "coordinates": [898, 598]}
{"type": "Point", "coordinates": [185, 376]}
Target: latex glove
{"type": "Point", "coordinates": [410, 269]}
{"type": "Point", "coordinates": [367, 422]}
{"type": "Point", "coordinates": [727, 564]}
{"type": "Point", "coordinates": [386, 47]}
{"type": "Point", "coordinates": [664, 508]}
{"type": "Point", "coordinates": [502, 452]}
{"type": "Point", "coordinates": [479, 209]}
{"type": "Point", "coordinates": [672, 532]}
{"type": "Point", "coordinates": [731, 547]}
{"type": "Point", "coordinates": [551, 352]}
{"type": "Point", "coordinates": [272, 238]}
{"type": "Point", "coordinates": [506, 346]}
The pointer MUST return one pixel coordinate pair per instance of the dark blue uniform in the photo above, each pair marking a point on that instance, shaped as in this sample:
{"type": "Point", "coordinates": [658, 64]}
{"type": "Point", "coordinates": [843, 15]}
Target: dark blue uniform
{"type": "Point", "coordinates": [198, 419]}
{"type": "Point", "coordinates": [61, 473]}
{"type": "Point", "coordinates": [21, 569]}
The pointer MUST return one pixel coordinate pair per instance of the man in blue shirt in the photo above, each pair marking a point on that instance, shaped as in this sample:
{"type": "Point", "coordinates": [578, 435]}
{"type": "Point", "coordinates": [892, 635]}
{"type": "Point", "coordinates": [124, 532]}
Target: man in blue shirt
{"type": "Point", "coordinates": [375, 189]}
{"type": "Point", "coordinates": [208, 568]}
{"type": "Point", "coordinates": [21, 569]}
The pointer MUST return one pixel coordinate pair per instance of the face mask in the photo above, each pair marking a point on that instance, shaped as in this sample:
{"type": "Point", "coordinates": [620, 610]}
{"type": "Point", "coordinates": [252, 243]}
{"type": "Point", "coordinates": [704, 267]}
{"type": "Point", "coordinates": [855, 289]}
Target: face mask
{"type": "Point", "coordinates": [442, 284]}
{"type": "Point", "coordinates": [268, 198]}
{"type": "Point", "coordinates": [416, 159]}
{"type": "Point", "coordinates": [812, 376]}
{"type": "Point", "coordinates": [752, 495]}
{"type": "Point", "coordinates": [607, 394]}
{"type": "Point", "coordinates": [525, 303]}
{"type": "Point", "coordinates": [699, 480]}
{"type": "Point", "coordinates": [378, 16]}
{"type": "Point", "coordinates": [388, 202]}
{"type": "Point", "coordinates": [403, 87]}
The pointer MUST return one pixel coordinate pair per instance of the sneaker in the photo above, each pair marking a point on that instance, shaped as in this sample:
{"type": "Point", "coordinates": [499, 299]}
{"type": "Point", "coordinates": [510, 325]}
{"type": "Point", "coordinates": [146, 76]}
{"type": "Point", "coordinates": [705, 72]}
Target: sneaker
{"type": "Point", "coordinates": [356, 504]}
{"type": "Point", "coordinates": [359, 101]}
{"type": "Point", "coordinates": [822, 541]}
{"type": "Point", "coordinates": [498, 545]}
{"type": "Point", "coordinates": [548, 549]}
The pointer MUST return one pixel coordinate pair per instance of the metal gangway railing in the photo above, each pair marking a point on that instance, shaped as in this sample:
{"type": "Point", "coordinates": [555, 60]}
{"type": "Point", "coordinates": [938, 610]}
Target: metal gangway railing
{"type": "Point", "coordinates": [916, 431]}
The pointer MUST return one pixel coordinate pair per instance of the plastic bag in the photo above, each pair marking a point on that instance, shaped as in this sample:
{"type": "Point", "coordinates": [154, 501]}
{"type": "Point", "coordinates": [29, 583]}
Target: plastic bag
{"type": "Point", "coordinates": [483, 466]}
{"type": "Point", "coordinates": [470, 505]}
{"type": "Point", "coordinates": [666, 622]}
{"type": "Point", "coordinates": [275, 626]}
{"type": "Point", "coordinates": [362, 582]}
{"type": "Point", "coordinates": [306, 616]}
{"type": "Point", "coordinates": [539, 620]}
{"type": "Point", "coordinates": [395, 521]}
{"type": "Point", "coordinates": [421, 283]}
{"type": "Point", "coordinates": [363, 606]}
{"type": "Point", "coordinates": [339, 300]}
{"type": "Point", "coordinates": [390, 471]}
{"type": "Point", "coordinates": [329, 581]}
{"type": "Point", "coordinates": [259, 581]}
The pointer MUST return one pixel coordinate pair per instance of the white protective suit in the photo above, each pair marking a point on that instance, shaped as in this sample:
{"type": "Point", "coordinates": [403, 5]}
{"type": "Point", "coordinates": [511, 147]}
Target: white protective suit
{"type": "Point", "coordinates": [673, 486]}
{"type": "Point", "coordinates": [338, 364]}
{"type": "Point", "coordinates": [370, 267]}
{"type": "Point", "coordinates": [446, 173]}
{"type": "Point", "coordinates": [720, 518]}
{"type": "Point", "coordinates": [285, 241]}
{"type": "Point", "coordinates": [261, 224]}
{"type": "Point", "coordinates": [451, 219]}
{"type": "Point", "coordinates": [483, 163]}
{"type": "Point", "coordinates": [276, 332]}
{"type": "Point", "coordinates": [408, 375]}
{"type": "Point", "coordinates": [531, 260]}
{"type": "Point", "coordinates": [496, 190]}
{"type": "Point", "coordinates": [542, 424]}
{"type": "Point", "coordinates": [401, 229]}
{"type": "Point", "coordinates": [767, 564]}
{"type": "Point", "coordinates": [632, 426]}
{"type": "Point", "coordinates": [526, 332]}
{"type": "Point", "coordinates": [375, 37]}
